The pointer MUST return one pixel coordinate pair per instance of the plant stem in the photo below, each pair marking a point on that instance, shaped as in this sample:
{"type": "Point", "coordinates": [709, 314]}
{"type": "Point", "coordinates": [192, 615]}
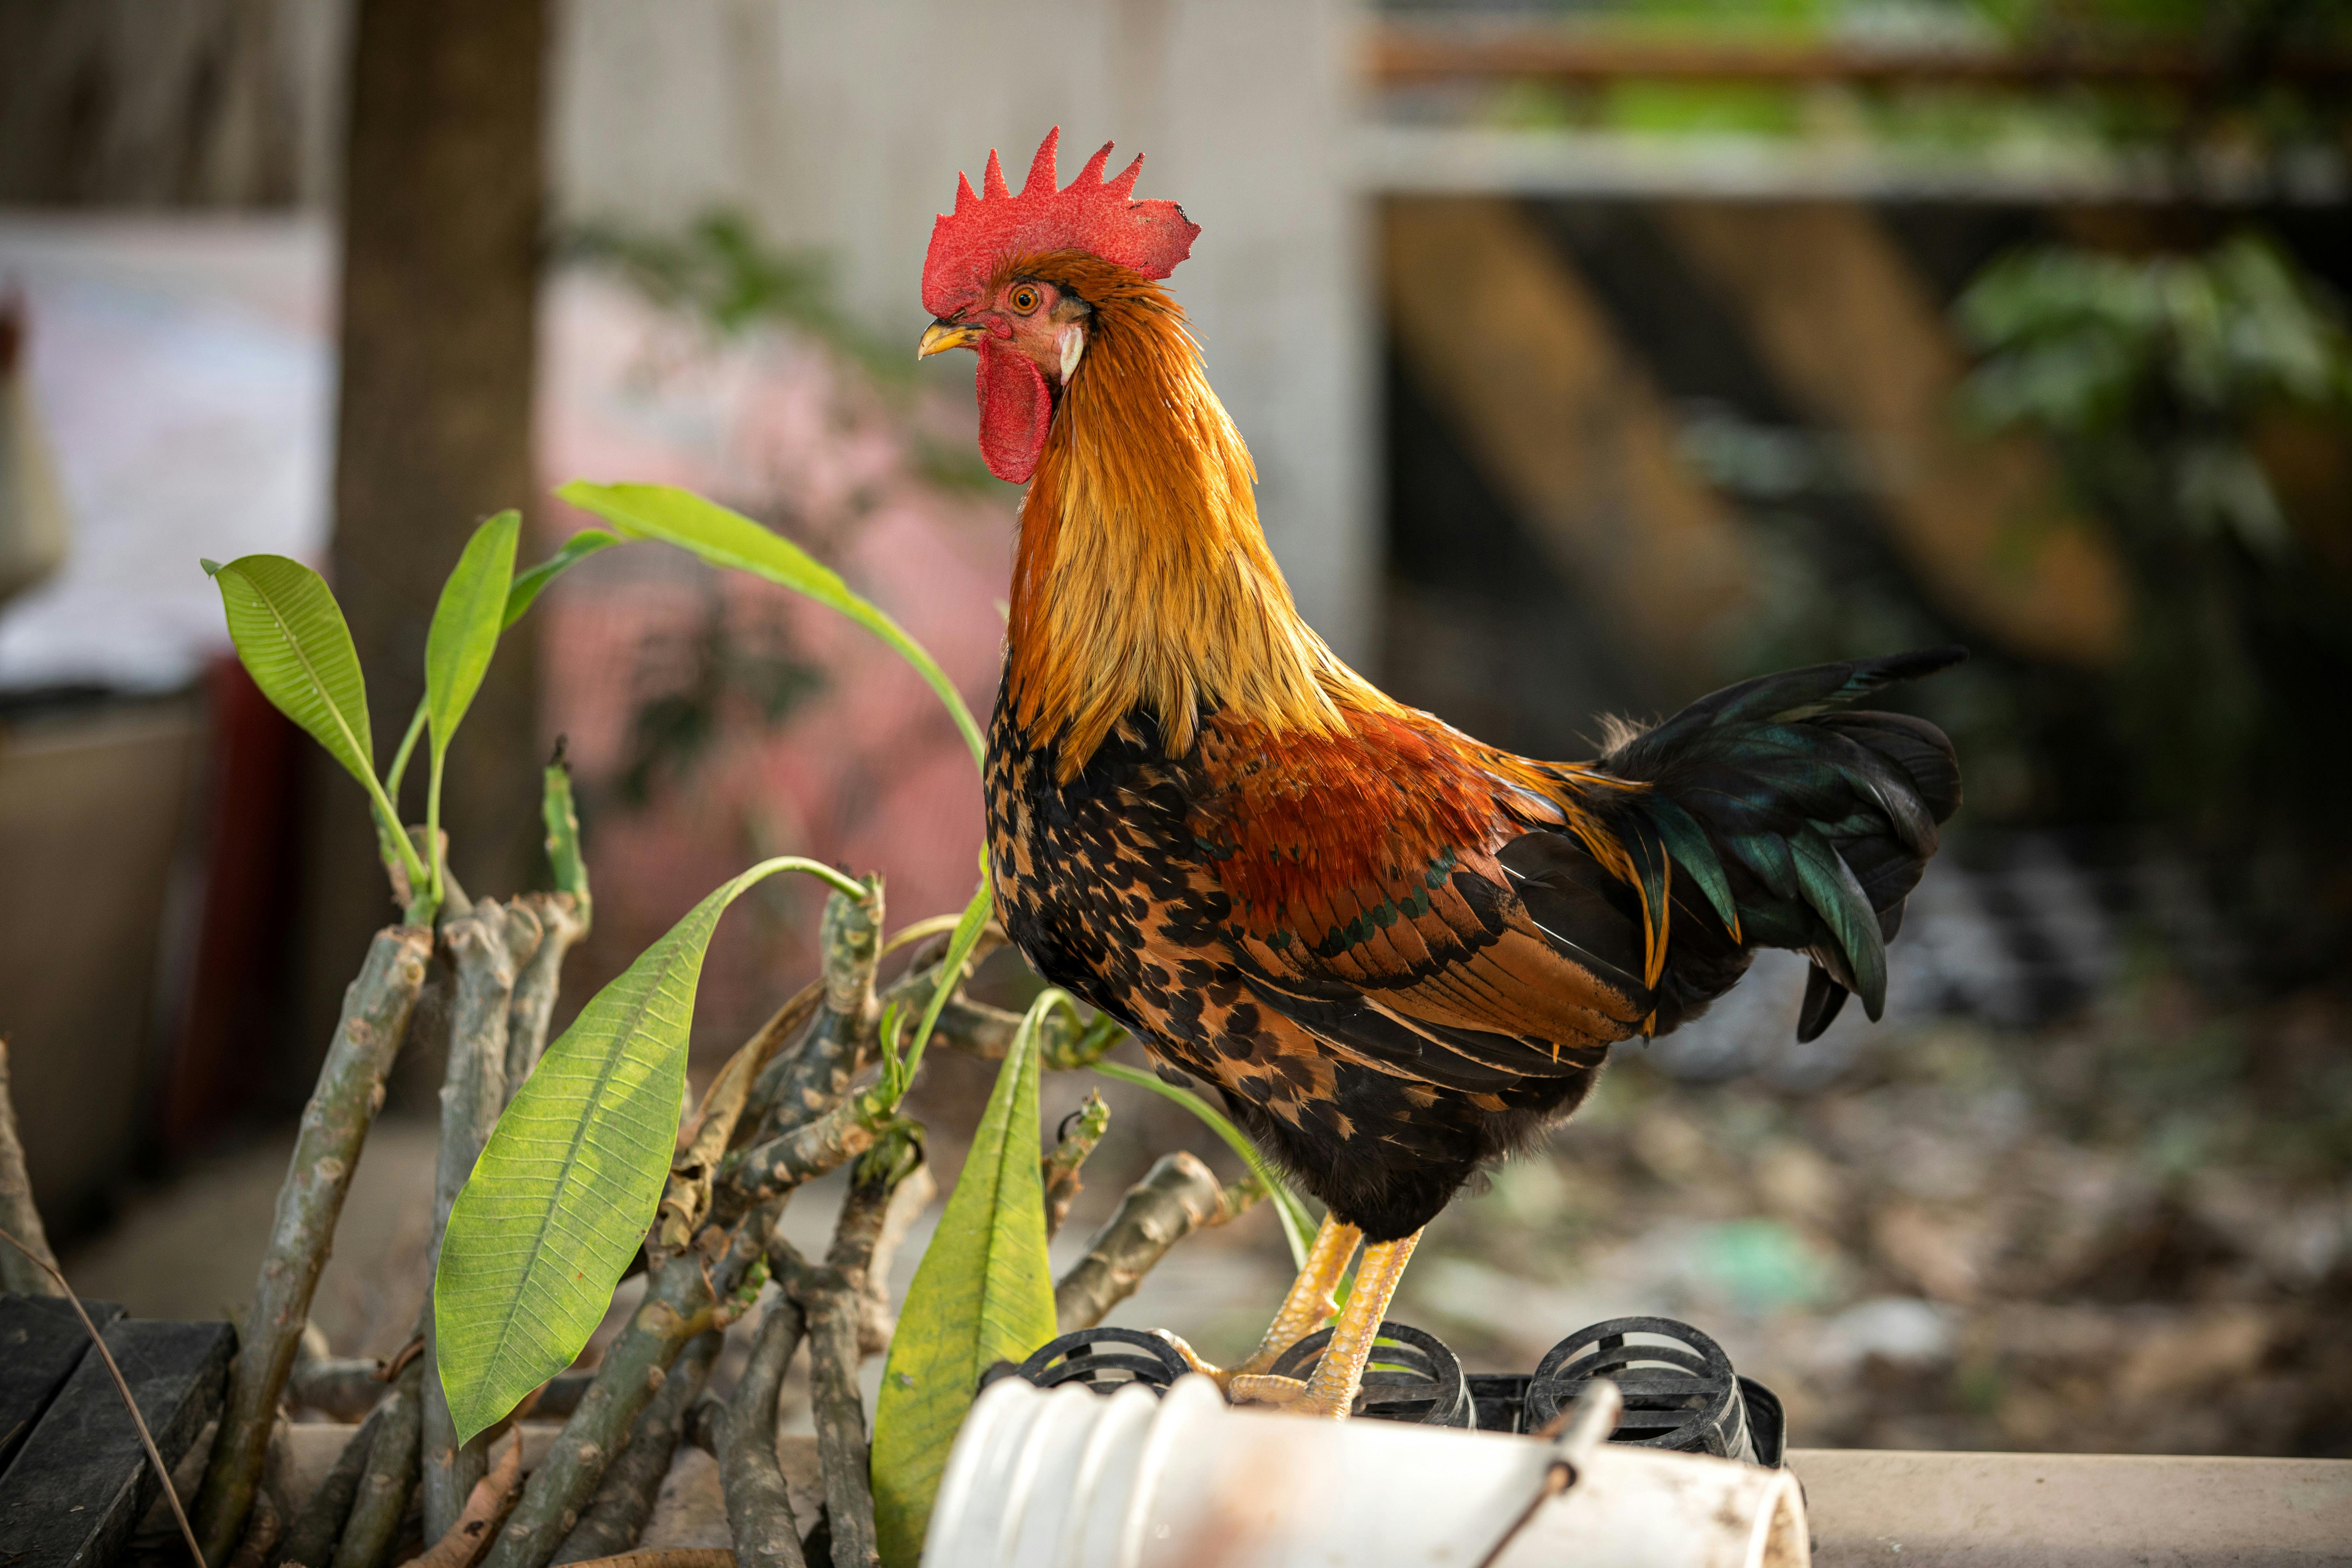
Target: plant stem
{"type": "Point", "coordinates": [408, 747]}
{"type": "Point", "coordinates": [34, 1273]}
{"type": "Point", "coordinates": [384, 1486]}
{"type": "Point", "coordinates": [488, 946]}
{"type": "Point", "coordinates": [807, 1151]}
{"type": "Point", "coordinates": [1176, 1198]}
{"type": "Point", "coordinates": [758, 1513]}
{"type": "Point", "coordinates": [433, 819]}
{"type": "Point", "coordinates": [335, 1124]}
{"type": "Point", "coordinates": [1059, 1168]}
{"type": "Point", "coordinates": [888, 1190]}
{"type": "Point", "coordinates": [563, 922]}
{"type": "Point", "coordinates": [624, 1500]}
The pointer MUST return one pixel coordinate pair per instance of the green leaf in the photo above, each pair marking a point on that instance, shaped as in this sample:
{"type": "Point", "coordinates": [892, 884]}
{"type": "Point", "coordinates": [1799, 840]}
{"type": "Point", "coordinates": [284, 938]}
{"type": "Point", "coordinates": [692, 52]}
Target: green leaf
{"type": "Point", "coordinates": [521, 596]}
{"type": "Point", "coordinates": [289, 634]}
{"type": "Point", "coordinates": [983, 1294]}
{"type": "Point", "coordinates": [566, 1187]}
{"type": "Point", "coordinates": [466, 624]}
{"type": "Point", "coordinates": [528, 585]}
{"type": "Point", "coordinates": [292, 638]}
{"type": "Point", "coordinates": [1297, 1225]}
{"type": "Point", "coordinates": [726, 538]}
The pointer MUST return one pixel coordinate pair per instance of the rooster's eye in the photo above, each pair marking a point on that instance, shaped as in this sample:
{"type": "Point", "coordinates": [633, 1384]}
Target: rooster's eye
{"type": "Point", "coordinates": [1024, 298]}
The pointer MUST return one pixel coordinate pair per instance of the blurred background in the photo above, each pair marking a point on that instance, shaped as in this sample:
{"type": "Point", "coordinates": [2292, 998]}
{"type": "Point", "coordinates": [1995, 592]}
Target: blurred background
{"type": "Point", "coordinates": [1593, 354]}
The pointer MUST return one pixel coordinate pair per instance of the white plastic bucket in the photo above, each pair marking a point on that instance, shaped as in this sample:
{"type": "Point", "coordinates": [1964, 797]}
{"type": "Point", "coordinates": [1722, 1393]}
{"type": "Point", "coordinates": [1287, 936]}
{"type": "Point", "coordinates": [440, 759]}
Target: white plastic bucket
{"type": "Point", "coordinates": [1072, 1479]}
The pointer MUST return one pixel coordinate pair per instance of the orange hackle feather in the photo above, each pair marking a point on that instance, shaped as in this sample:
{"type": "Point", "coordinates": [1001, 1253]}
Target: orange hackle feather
{"type": "Point", "coordinates": [1143, 581]}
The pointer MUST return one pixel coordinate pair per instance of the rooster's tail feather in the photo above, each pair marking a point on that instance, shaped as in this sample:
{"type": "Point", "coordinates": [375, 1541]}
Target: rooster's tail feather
{"type": "Point", "coordinates": [1799, 823]}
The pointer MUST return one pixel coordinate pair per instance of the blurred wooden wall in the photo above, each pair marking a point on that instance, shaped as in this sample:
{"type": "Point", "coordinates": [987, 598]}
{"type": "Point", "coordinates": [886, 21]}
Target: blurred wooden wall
{"type": "Point", "coordinates": [1565, 348]}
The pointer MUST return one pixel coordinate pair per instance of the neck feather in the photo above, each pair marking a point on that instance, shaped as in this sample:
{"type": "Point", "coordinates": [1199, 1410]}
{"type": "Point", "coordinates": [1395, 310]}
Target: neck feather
{"type": "Point", "coordinates": [1143, 579]}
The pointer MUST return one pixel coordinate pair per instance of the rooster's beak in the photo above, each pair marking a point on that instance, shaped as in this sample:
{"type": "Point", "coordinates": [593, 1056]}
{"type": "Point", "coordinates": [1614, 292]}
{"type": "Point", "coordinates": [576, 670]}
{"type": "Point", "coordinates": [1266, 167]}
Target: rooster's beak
{"type": "Point", "coordinates": [942, 336]}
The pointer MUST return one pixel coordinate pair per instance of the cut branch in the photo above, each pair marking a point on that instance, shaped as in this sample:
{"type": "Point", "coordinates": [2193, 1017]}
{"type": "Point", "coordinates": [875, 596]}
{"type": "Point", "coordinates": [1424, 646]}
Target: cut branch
{"type": "Point", "coordinates": [1176, 1198]}
{"type": "Point", "coordinates": [689, 1293]}
{"type": "Point", "coordinates": [390, 1477]}
{"type": "Point", "coordinates": [845, 1010]}
{"type": "Point", "coordinates": [815, 1077]}
{"type": "Point", "coordinates": [28, 1274]}
{"type": "Point", "coordinates": [334, 1126]}
{"type": "Point", "coordinates": [889, 1191]}
{"type": "Point", "coordinates": [841, 1304]}
{"type": "Point", "coordinates": [1080, 1133]}
{"type": "Point", "coordinates": [489, 945]}
{"type": "Point", "coordinates": [310, 1541]}
{"type": "Point", "coordinates": [563, 922]}
{"type": "Point", "coordinates": [625, 1498]}
{"type": "Point", "coordinates": [686, 1196]}
{"type": "Point", "coordinates": [807, 1151]}
{"type": "Point", "coordinates": [758, 1513]}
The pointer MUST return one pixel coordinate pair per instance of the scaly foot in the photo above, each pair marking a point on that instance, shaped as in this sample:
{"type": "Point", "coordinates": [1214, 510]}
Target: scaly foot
{"type": "Point", "coordinates": [1303, 1310]}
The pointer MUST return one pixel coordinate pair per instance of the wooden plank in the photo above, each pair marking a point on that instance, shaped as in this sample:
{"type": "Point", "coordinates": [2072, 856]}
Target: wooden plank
{"type": "Point", "coordinates": [1853, 336]}
{"type": "Point", "coordinates": [1506, 338]}
{"type": "Point", "coordinates": [1589, 56]}
{"type": "Point", "coordinates": [41, 1342]}
{"type": "Point", "coordinates": [77, 1490]}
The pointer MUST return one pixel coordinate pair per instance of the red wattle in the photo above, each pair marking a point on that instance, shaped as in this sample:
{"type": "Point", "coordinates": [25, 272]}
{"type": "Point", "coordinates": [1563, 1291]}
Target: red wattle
{"type": "Point", "coordinates": [1016, 410]}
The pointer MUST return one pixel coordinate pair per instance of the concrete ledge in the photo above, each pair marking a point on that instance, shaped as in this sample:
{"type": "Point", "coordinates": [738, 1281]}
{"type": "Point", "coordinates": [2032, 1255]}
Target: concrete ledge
{"type": "Point", "coordinates": [1929, 1510]}
{"type": "Point", "coordinates": [1884, 1508]}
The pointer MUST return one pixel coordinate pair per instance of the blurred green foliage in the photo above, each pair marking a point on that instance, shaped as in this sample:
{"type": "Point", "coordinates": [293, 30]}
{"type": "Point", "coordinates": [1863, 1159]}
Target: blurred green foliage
{"type": "Point", "coordinates": [2150, 376]}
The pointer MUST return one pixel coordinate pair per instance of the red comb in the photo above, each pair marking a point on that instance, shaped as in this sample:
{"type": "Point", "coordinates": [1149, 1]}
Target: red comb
{"type": "Point", "coordinates": [1092, 214]}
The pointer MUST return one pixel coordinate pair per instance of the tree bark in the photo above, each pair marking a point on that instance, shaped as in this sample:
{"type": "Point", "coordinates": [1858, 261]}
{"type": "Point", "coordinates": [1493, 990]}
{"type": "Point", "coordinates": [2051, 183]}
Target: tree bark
{"type": "Point", "coordinates": [441, 255]}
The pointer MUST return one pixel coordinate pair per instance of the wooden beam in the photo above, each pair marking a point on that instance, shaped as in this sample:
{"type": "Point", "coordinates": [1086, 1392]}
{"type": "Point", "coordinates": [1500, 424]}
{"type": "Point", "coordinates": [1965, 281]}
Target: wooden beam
{"type": "Point", "coordinates": [1506, 339]}
{"type": "Point", "coordinates": [77, 1490]}
{"type": "Point", "coordinates": [41, 1342]}
{"type": "Point", "coordinates": [1851, 334]}
{"type": "Point", "coordinates": [1403, 56]}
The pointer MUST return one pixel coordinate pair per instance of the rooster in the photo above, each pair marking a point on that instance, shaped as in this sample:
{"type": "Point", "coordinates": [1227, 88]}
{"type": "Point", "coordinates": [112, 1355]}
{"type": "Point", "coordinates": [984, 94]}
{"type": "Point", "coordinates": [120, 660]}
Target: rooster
{"type": "Point", "coordinates": [1398, 953]}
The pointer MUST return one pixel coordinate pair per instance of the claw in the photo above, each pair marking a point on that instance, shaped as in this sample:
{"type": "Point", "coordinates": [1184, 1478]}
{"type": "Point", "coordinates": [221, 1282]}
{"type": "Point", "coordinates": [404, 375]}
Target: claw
{"type": "Point", "coordinates": [1219, 1375]}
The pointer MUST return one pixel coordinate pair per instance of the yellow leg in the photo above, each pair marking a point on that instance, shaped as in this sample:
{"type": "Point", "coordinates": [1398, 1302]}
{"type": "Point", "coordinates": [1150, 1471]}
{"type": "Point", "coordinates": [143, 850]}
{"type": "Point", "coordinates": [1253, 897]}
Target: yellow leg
{"type": "Point", "coordinates": [1331, 1391]}
{"type": "Point", "coordinates": [1303, 1310]}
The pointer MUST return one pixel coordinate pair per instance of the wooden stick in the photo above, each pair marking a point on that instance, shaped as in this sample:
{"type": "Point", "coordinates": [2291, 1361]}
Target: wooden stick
{"type": "Point", "coordinates": [489, 945]}
{"type": "Point", "coordinates": [670, 1557]}
{"type": "Point", "coordinates": [31, 1274]}
{"type": "Point", "coordinates": [624, 1500]}
{"type": "Point", "coordinates": [373, 1527]}
{"type": "Point", "coordinates": [1176, 1198]}
{"type": "Point", "coordinates": [334, 1126]}
{"type": "Point", "coordinates": [758, 1513]}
